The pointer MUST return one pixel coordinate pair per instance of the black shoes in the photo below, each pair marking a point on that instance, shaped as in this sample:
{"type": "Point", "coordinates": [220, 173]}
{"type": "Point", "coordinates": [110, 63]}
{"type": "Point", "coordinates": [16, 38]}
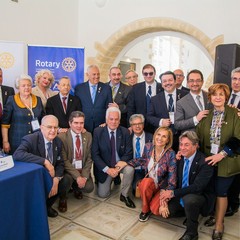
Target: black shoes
{"type": "Point", "coordinates": [143, 217]}
{"type": "Point", "coordinates": [230, 212]}
{"type": "Point", "coordinates": [51, 212]}
{"type": "Point", "coordinates": [127, 200]}
{"type": "Point", "coordinates": [210, 221]}
{"type": "Point", "coordinates": [187, 236]}
{"type": "Point", "coordinates": [217, 235]}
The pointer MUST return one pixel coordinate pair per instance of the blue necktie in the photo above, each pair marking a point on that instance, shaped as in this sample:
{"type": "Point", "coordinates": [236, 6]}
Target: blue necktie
{"type": "Point", "coordinates": [185, 177]}
{"type": "Point", "coordinates": [233, 98]}
{"type": "Point", "coordinates": [113, 148]}
{"type": "Point", "coordinates": [137, 150]}
{"type": "Point", "coordinates": [94, 90]}
{"type": "Point", "coordinates": [148, 97]}
{"type": "Point", "coordinates": [170, 103]}
{"type": "Point", "coordinates": [49, 152]}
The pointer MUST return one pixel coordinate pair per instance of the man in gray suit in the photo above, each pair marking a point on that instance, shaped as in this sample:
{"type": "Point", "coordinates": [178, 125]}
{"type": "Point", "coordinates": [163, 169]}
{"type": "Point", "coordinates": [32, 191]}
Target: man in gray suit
{"type": "Point", "coordinates": [193, 107]}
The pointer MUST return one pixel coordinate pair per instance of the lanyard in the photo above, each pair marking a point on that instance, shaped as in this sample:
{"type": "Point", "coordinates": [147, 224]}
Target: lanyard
{"type": "Point", "coordinates": [218, 125]}
{"type": "Point", "coordinates": [29, 107]}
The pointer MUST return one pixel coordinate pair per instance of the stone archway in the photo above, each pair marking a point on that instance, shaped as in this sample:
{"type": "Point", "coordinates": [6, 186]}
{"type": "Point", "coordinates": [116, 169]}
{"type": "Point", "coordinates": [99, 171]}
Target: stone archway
{"type": "Point", "coordinates": [110, 49]}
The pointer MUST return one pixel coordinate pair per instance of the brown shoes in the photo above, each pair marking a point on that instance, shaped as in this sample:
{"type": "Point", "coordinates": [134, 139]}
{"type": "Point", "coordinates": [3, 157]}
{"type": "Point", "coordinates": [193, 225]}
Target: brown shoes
{"type": "Point", "coordinates": [78, 194]}
{"type": "Point", "coordinates": [62, 207]}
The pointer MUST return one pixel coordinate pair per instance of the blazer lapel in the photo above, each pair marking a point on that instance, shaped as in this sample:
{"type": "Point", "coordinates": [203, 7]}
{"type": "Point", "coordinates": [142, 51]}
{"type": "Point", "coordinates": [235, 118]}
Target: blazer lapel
{"type": "Point", "coordinates": [60, 104]}
{"type": "Point", "coordinates": [41, 145]}
{"type": "Point", "coordinates": [118, 140]}
{"type": "Point", "coordinates": [84, 146]}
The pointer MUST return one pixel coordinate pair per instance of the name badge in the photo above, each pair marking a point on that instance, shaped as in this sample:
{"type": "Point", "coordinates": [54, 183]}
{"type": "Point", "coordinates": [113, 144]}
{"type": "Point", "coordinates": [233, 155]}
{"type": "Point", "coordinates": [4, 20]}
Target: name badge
{"type": "Point", "coordinates": [78, 164]}
{"type": "Point", "coordinates": [214, 148]}
{"type": "Point", "coordinates": [171, 116]}
{"type": "Point", "coordinates": [35, 125]}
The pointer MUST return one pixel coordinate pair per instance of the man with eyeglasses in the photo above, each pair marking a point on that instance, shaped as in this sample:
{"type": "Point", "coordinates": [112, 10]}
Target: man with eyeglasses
{"type": "Point", "coordinates": [179, 79]}
{"type": "Point", "coordinates": [139, 139]}
{"type": "Point", "coordinates": [163, 105]}
{"type": "Point", "coordinates": [45, 148]}
{"type": "Point", "coordinates": [141, 93]}
{"type": "Point", "coordinates": [131, 77]}
{"type": "Point", "coordinates": [192, 108]}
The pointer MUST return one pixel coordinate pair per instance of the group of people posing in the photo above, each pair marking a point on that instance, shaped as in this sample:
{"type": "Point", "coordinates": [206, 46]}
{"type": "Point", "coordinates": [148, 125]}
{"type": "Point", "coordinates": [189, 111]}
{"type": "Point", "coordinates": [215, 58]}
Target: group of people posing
{"type": "Point", "coordinates": [179, 147]}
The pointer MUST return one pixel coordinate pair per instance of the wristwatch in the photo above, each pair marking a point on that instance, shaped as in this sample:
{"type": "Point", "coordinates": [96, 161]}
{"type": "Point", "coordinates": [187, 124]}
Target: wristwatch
{"type": "Point", "coordinates": [223, 153]}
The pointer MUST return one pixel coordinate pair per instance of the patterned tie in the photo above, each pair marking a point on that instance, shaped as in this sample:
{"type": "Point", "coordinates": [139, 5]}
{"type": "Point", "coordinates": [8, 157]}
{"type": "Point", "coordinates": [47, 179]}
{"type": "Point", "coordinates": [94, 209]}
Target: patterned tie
{"type": "Point", "coordinates": [185, 177]}
{"type": "Point", "coordinates": [113, 148]}
{"type": "Point", "coordinates": [148, 97]}
{"type": "Point", "coordinates": [113, 92]}
{"type": "Point", "coordinates": [49, 152]}
{"type": "Point", "coordinates": [233, 98]}
{"type": "Point", "coordinates": [64, 104]}
{"type": "Point", "coordinates": [94, 90]}
{"type": "Point", "coordinates": [78, 152]}
{"type": "Point", "coordinates": [170, 103]}
{"type": "Point", "coordinates": [137, 150]}
{"type": "Point", "coordinates": [199, 102]}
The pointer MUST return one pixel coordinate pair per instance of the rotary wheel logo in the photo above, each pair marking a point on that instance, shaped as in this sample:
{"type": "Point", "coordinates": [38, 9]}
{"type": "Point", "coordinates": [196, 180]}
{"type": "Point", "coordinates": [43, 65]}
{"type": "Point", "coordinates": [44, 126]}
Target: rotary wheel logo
{"type": "Point", "coordinates": [6, 60]}
{"type": "Point", "coordinates": [69, 64]}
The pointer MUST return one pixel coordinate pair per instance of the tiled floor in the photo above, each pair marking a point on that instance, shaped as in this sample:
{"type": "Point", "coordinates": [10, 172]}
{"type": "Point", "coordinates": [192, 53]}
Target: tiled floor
{"type": "Point", "coordinates": [95, 218]}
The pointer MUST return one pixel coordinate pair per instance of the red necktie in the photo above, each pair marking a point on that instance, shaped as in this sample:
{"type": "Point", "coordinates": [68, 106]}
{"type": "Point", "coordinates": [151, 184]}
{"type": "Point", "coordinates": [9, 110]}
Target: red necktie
{"type": "Point", "coordinates": [64, 103]}
{"type": "Point", "coordinates": [78, 152]}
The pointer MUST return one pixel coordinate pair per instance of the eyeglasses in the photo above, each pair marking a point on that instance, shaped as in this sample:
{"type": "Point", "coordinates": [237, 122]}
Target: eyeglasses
{"type": "Point", "coordinates": [194, 81]}
{"type": "Point", "coordinates": [148, 73]}
{"type": "Point", "coordinates": [137, 124]}
{"type": "Point", "coordinates": [50, 127]}
{"type": "Point", "coordinates": [179, 75]}
{"type": "Point", "coordinates": [235, 79]}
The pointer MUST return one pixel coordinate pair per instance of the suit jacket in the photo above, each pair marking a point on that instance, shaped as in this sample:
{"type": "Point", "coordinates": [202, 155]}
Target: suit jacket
{"type": "Point", "coordinates": [68, 154]}
{"type": "Point", "coordinates": [137, 102]}
{"type": "Point", "coordinates": [121, 98]}
{"type": "Point", "coordinates": [101, 149]}
{"type": "Point", "coordinates": [94, 112]}
{"type": "Point", "coordinates": [6, 92]}
{"type": "Point", "coordinates": [185, 89]}
{"type": "Point", "coordinates": [230, 128]}
{"type": "Point", "coordinates": [185, 111]}
{"type": "Point", "coordinates": [158, 107]}
{"type": "Point", "coordinates": [201, 181]}
{"type": "Point", "coordinates": [54, 106]}
{"type": "Point", "coordinates": [32, 149]}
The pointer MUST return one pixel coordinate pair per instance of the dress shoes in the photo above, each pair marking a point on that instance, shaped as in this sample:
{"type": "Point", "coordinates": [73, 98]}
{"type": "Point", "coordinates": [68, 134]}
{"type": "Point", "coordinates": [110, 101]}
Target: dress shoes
{"type": "Point", "coordinates": [210, 221]}
{"type": "Point", "coordinates": [62, 206]}
{"type": "Point", "coordinates": [117, 180]}
{"type": "Point", "coordinates": [230, 212]}
{"type": "Point", "coordinates": [51, 212]}
{"type": "Point", "coordinates": [187, 236]}
{"type": "Point", "coordinates": [129, 203]}
{"type": "Point", "coordinates": [78, 194]}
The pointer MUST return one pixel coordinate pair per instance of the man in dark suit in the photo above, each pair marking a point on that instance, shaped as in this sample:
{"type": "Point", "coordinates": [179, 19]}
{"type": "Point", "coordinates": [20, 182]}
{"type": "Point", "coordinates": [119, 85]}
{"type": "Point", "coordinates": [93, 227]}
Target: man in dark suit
{"type": "Point", "coordinates": [163, 105]}
{"type": "Point", "coordinates": [5, 92]}
{"type": "Point", "coordinates": [139, 139]}
{"type": "Point", "coordinates": [95, 97]}
{"type": "Point", "coordinates": [111, 150]}
{"type": "Point", "coordinates": [45, 148]}
{"type": "Point", "coordinates": [120, 93]}
{"type": "Point", "coordinates": [194, 194]}
{"type": "Point", "coordinates": [193, 107]}
{"type": "Point", "coordinates": [179, 79]}
{"type": "Point", "coordinates": [62, 104]}
{"type": "Point", "coordinates": [141, 93]}
{"type": "Point", "coordinates": [77, 157]}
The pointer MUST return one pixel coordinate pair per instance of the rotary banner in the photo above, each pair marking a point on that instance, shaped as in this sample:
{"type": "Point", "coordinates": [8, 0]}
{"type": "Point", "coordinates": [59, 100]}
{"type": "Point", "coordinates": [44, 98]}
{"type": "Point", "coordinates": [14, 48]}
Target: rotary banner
{"type": "Point", "coordinates": [11, 61]}
{"type": "Point", "coordinates": [61, 61]}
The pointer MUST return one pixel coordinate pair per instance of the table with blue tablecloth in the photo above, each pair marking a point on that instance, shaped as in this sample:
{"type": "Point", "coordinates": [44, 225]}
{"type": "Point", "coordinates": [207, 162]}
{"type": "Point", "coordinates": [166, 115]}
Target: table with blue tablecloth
{"type": "Point", "coordinates": [23, 193]}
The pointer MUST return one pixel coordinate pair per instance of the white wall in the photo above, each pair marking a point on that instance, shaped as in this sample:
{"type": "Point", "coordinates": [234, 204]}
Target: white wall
{"type": "Point", "coordinates": [82, 23]}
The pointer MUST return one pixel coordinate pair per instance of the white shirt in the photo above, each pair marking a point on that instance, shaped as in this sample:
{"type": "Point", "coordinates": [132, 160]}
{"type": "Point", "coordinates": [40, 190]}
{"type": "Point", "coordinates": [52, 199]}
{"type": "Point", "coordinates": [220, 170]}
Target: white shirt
{"type": "Point", "coordinates": [153, 88]}
{"type": "Point", "coordinates": [203, 104]}
{"type": "Point", "coordinates": [142, 143]}
{"type": "Point", "coordinates": [237, 98]}
{"type": "Point", "coordinates": [74, 142]}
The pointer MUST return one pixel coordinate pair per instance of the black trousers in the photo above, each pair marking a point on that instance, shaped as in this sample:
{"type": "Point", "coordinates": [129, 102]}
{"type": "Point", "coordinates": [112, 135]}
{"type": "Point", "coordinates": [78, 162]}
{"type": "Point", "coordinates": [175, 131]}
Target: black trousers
{"type": "Point", "coordinates": [193, 204]}
{"type": "Point", "coordinates": [63, 187]}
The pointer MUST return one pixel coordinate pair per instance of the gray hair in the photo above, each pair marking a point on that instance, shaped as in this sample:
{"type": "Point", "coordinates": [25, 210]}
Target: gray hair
{"type": "Point", "coordinates": [46, 117]}
{"type": "Point", "coordinates": [235, 70]}
{"type": "Point", "coordinates": [113, 109]}
{"type": "Point", "coordinates": [134, 116]}
{"type": "Point", "coordinates": [22, 77]}
{"type": "Point", "coordinates": [191, 135]}
{"type": "Point", "coordinates": [91, 66]}
{"type": "Point", "coordinates": [75, 114]}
